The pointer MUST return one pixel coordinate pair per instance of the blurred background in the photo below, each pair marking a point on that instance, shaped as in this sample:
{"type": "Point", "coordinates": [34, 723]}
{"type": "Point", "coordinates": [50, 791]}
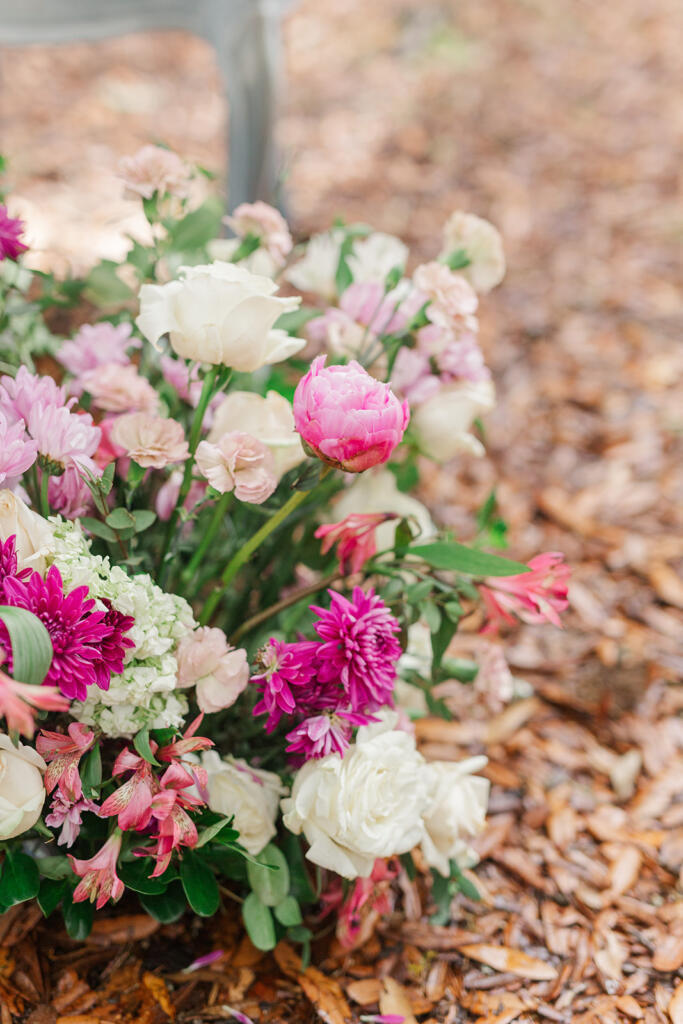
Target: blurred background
{"type": "Point", "coordinates": [562, 123]}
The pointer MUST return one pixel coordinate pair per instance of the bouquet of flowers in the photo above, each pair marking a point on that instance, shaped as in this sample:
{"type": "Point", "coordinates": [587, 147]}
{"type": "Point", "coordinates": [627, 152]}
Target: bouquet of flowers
{"type": "Point", "coordinates": [216, 590]}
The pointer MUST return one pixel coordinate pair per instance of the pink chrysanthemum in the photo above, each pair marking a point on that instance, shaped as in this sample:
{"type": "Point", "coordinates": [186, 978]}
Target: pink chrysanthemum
{"type": "Point", "coordinates": [17, 452]}
{"type": "Point", "coordinates": [284, 666]}
{"type": "Point", "coordinates": [64, 438]}
{"type": "Point", "coordinates": [11, 229]}
{"type": "Point", "coordinates": [88, 645]}
{"type": "Point", "coordinates": [20, 394]}
{"type": "Point", "coordinates": [324, 734]}
{"type": "Point", "coordinates": [359, 648]}
{"type": "Point", "coordinates": [69, 494]}
{"type": "Point", "coordinates": [9, 566]}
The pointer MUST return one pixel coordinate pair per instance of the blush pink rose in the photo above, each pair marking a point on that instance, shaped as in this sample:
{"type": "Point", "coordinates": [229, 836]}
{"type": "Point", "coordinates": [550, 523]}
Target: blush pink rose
{"type": "Point", "coordinates": [346, 417]}
{"type": "Point", "coordinates": [218, 671]}
{"type": "Point", "coordinates": [241, 463]}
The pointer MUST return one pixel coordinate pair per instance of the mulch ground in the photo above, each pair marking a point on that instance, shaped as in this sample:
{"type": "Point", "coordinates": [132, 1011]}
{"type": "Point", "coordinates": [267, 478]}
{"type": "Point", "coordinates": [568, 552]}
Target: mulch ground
{"type": "Point", "coordinates": [563, 124]}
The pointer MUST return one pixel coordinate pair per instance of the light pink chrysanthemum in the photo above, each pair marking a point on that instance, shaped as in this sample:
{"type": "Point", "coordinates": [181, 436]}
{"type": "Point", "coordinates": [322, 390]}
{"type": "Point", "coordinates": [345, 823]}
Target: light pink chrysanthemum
{"type": "Point", "coordinates": [63, 438]}
{"type": "Point", "coordinates": [117, 388]}
{"type": "Point", "coordinates": [241, 463]}
{"type": "Point", "coordinates": [17, 452]}
{"type": "Point", "coordinates": [20, 394]}
{"type": "Point", "coordinates": [69, 494]}
{"type": "Point", "coordinates": [346, 417]}
{"type": "Point", "coordinates": [536, 596]}
{"type": "Point", "coordinates": [151, 441]}
{"type": "Point", "coordinates": [93, 346]}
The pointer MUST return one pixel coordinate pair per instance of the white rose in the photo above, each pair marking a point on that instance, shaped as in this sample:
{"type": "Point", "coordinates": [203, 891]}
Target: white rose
{"type": "Point", "coordinates": [219, 313]}
{"type": "Point", "coordinates": [366, 805]}
{"type": "Point", "coordinates": [251, 796]}
{"type": "Point", "coordinates": [418, 655]}
{"type": "Point", "coordinates": [316, 271]}
{"type": "Point", "coordinates": [442, 423]}
{"type": "Point", "coordinates": [34, 535]}
{"type": "Point", "coordinates": [376, 491]}
{"type": "Point", "coordinates": [22, 793]}
{"type": "Point", "coordinates": [257, 262]}
{"type": "Point", "coordinates": [269, 419]}
{"type": "Point", "coordinates": [457, 812]}
{"type": "Point", "coordinates": [483, 245]}
{"type": "Point", "coordinates": [373, 257]}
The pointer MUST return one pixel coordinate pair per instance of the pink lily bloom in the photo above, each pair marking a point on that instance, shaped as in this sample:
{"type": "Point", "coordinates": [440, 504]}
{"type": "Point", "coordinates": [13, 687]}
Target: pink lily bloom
{"type": "Point", "coordinates": [536, 596]}
{"type": "Point", "coordinates": [355, 537]}
{"type": "Point", "coordinates": [99, 881]}
{"type": "Point", "coordinates": [63, 754]}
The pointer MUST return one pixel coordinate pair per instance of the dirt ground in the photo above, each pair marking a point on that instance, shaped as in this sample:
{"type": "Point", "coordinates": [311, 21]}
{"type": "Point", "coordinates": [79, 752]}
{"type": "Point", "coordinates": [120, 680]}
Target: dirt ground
{"type": "Point", "coordinates": [563, 123]}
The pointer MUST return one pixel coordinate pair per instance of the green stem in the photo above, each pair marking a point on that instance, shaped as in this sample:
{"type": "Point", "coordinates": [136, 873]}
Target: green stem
{"type": "Point", "coordinates": [195, 435]}
{"type": "Point", "coordinates": [246, 551]}
{"type": "Point", "coordinates": [285, 602]}
{"type": "Point", "coordinates": [220, 508]}
{"type": "Point", "coordinates": [44, 502]}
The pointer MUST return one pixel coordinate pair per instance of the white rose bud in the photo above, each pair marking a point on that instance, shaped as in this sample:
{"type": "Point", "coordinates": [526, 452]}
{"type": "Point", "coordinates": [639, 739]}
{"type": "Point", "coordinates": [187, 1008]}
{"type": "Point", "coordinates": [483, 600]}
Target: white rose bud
{"type": "Point", "coordinates": [22, 793]}
{"type": "Point", "coordinates": [268, 419]}
{"type": "Point", "coordinates": [219, 313]}
{"type": "Point", "coordinates": [457, 813]}
{"type": "Point", "coordinates": [366, 805]}
{"type": "Point", "coordinates": [483, 245]}
{"type": "Point", "coordinates": [34, 535]}
{"type": "Point", "coordinates": [250, 795]}
{"type": "Point", "coordinates": [443, 422]}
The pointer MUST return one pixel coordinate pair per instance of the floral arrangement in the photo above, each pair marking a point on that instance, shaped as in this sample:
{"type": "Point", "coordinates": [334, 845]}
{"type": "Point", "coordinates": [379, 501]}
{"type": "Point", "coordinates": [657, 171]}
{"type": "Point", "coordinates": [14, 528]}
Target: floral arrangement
{"type": "Point", "coordinates": [216, 589]}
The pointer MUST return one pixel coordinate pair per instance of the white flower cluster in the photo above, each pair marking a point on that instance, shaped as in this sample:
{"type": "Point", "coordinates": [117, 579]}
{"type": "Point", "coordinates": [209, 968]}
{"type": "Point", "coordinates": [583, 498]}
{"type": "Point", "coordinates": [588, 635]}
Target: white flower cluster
{"type": "Point", "coordinates": [382, 799]}
{"type": "Point", "coordinates": [146, 693]}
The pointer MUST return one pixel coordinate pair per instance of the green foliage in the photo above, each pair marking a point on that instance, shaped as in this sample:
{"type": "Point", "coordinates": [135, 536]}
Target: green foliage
{"type": "Point", "coordinates": [199, 884]}
{"type": "Point", "coordinates": [20, 879]}
{"type": "Point", "coordinates": [31, 645]}
{"type": "Point", "coordinates": [448, 555]}
{"type": "Point", "coordinates": [259, 923]}
{"type": "Point", "coordinates": [268, 875]}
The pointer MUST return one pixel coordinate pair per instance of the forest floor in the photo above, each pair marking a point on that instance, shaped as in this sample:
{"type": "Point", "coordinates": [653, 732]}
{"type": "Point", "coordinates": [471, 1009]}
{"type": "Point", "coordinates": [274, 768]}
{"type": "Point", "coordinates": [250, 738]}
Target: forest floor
{"type": "Point", "coordinates": [563, 124]}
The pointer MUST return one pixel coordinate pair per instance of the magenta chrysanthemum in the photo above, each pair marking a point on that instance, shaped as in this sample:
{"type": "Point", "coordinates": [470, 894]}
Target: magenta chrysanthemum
{"type": "Point", "coordinates": [319, 736]}
{"type": "Point", "coordinates": [11, 229]}
{"type": "Point", "coordinates": [9, 566]}
{"type": "Point", "coordinates": [359, 648]}
{"type": "Point", "coordinates": [88, 644]}
{"type": "Point", "coordinates": [284, 666]}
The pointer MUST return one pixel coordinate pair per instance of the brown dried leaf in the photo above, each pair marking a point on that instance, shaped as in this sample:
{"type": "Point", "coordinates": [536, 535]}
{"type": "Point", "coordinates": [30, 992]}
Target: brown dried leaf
{"type": "Point", "coordinates": [502, 958]}
{"type": "Point", "coordinates": [394, 999]}
{"type": "Point", "coordinates": [669, 953]}
{"type": "Point", "coordinates": [675, 1007]}
{"type": "Point", "coordinates": [365, 991]}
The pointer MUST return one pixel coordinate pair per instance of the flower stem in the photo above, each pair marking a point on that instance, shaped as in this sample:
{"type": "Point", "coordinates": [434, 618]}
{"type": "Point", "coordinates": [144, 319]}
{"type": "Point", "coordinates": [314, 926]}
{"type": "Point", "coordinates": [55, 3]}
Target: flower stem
{"type": "Point", "coordinates": [246, 551]}
{"type": "Point", "coordinates": [285, 602]}
{"type": "Point", "coordinates": [220, 508]}
{"type": "Point", "coordinates": [44, 501]}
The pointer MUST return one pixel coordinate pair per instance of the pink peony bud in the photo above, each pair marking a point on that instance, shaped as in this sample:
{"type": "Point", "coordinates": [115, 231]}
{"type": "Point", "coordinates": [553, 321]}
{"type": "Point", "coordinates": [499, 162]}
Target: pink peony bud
{"type": "Point", "coordinates": [346, 417]}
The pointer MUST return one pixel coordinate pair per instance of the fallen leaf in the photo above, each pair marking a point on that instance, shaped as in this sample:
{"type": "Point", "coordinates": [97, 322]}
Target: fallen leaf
{"type": "Point", "coordinates": [502, 958]}
{"type": "Point", "coordinates": [394, 1000]}
{"type": "Point", "coordinates": [675, 1008]}
{"type": "Point", "coordinates": [669, 953]}
{"type": "Point", "coordinates": [365, 992]}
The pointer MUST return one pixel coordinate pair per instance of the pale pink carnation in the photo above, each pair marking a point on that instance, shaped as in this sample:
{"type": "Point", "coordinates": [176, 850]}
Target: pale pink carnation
{"type": "Point", "coordinates": [18, 395]}
{"type": "Point", "coordinates": [93, 346]}
{"type": "Point", "coordinates": [151, 441]}
{"type": "Point", "coordinates": [17, 452]}
{"type": "Point", "coordinates": [218, 671]}
{"type": "Point", "coordinates": [266, 223]}
{"type": "Point", "coordinates": [117, 388]}
{"type": "Point", "coordinates": [241, 463]}
{"type": "Point", "coordinates": [451, 294]}
{"type": "Point", "coordinates": [154, 169]}
{"type": "Point", "coordinates": [64, 438]}
{"type": "Point", "coordinates": [346, 417]}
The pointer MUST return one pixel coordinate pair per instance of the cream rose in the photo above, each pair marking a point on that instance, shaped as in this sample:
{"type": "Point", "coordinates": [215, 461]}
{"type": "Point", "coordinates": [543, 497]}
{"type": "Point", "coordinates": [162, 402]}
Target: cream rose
{"type": "Point", "coordinates": [247, 794]}
{"type": "Point", "coordinates": [442, 423]}
{"type": "Point", "coordinates": [218, 671]}
{"type": "Point", "coordinates": [457, 812]}
{"type": "Point", "coordinates": [483, 245]}
{"type": "Point", "coordinates": [268, 419]}
{"type": "Point", "coordinates": [219, 313]}
{"type": "Point", "coordinates": [365, 805]}
{"type": "Point", "coordinates": [22, 793]}
{"type": "Point", "coordinates": [34, 535]}
{"type": "Point", "coordinates": [376, 491]}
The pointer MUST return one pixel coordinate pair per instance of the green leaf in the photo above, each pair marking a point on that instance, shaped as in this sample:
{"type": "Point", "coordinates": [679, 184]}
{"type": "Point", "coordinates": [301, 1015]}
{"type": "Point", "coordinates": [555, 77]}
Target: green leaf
{"type": "Point", "coordinates": [52, 891]}
{"type": "Point", "coordinates": [268, 875]}
{"type": "Point", "coordinates": [166, 907]}
{"type": "Point", "coordinates": [217, 829]}
{"type": "Point", "coordinates": [441, 639]}
{"type": "Point", "coordinates": [300, 883]}
{"type": "Point", "coordinates": [458, 558]}
{"type": "Point", "coordinates": [457, 260]}
{"type": "Point", "coordinates": [258, 921]}
{"type": "Point", "coordinates": [107, 479]}
{"type": "Point", "coordinates": [91, 773]}
{"type": "Point", "coordinates": [460, 668]}
{"type": "Point", "coordinates": [56, 867]}
{"type": "Point", "coordinates": [98, 529]}
{"type": "Point", "coordinates": [409, 866]}
{"type": "Point", "coordinates": [135, 874]}
{"type": "Point", "coordinates": [288, 912]}
{"type": "Point", "coordinates": [120, 519]}
{"type": "Point", "coordinates": [141, 744]}
{"type": "Point", "coordinates": [298, 318]}
{"type": "Point", "coordinates": [104, 287]}
{"type": "Point", "coordinates": [78, 918]}
{"type": "Point", "coordinates": [20, 880]}
{"type": "Point", "coordinates": [200, 885]}
{"type": "Point", "coordinates": [197, 228]}
{"type": "Point", "coordinates": [31, 645]}
{"type": "Point", "coordinates": [431, 615]}
{"type": "Point", "coordinates": [143, 517]}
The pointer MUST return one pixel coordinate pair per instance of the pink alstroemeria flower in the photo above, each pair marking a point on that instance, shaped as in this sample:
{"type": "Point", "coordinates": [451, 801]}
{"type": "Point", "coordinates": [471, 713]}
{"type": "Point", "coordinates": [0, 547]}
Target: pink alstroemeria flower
{"type": "Point", "coordinates": [355, 537]}
{"type": "Point", "coordinates": [18, 700]}
{"type": "Point", "coordinates": [63, 754]}
{"type": "Point", "coordinates": [169, 809]}
{"type": "Point", "coordinates": [132, 802]}
{"type": "Point", "coordinates": [536, 596]}
{"type": "Point", "coordinates": [99, 881]}
{"type": "Point", "coordinates": [67, 816]}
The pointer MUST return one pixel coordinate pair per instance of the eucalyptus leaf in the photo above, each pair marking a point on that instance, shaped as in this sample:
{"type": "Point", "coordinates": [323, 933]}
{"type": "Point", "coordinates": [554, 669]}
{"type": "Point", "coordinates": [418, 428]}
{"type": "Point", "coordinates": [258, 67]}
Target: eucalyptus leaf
{"type": "Point", "coordinates": [268, 875]}
{"type": "Point", "coordinates": [258, 921]}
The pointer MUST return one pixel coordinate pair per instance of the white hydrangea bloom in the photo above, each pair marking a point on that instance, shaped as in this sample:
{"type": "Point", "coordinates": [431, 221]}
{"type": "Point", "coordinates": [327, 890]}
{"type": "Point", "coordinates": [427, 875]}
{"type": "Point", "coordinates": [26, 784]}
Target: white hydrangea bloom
{"type": "Point", "coordinates": [146, 693]}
